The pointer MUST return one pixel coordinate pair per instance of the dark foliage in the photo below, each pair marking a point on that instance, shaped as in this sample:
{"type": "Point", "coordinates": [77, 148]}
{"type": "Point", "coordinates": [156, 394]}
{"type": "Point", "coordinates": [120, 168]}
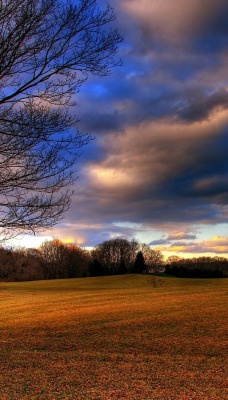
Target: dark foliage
{"type": "Point", "coordinates": [202, 267]}
{"type": "Point", "coordinates": [122, 267]}
{"type": "Point", "coordinates": [115, 255]}
{"type": "Point", "coordinates": [96, 268]}
{"type": "Point", "coordinates": [139, 264]}
{"type": "Point", "coordinates": [53, 261]}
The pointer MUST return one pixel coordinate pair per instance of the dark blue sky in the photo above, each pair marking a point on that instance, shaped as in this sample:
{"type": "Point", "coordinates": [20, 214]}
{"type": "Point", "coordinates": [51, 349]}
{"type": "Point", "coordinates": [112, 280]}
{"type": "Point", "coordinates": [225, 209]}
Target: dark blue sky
{"type": "Point", "coordinates": [158, 168]}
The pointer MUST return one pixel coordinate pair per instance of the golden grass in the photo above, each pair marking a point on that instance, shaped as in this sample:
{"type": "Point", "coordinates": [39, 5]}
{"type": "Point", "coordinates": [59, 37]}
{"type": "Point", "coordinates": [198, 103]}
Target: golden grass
{"type": "Point", "coordinates": [130, 338]}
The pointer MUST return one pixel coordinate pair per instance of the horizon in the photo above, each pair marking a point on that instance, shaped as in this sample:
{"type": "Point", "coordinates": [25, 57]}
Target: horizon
{"type": "Point", "coordinates": [28, 242]}
{"type": "Point", "coordinates": [157, 170]}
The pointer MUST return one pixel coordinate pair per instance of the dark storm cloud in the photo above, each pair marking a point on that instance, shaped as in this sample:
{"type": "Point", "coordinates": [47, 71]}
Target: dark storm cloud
{"type": "Point", "coordinates": [208, 176]}
{"type": "Point", "coordinates": [158, 173]}
{"type": "Point", "coordinates": [177, 21]}
{"type": "Point", "coordinates": [200, 106]}
{"type": "Point", "coordinates": [133, 100]}
{"type": "Point", "coordinates": [172, 80]}
{"type": "Point", "coordinates": [213, 37]}
{"type": "Point", "coordinates": [160, 122]}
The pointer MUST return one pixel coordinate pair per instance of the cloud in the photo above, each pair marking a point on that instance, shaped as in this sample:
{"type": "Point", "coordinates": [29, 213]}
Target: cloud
{"type": "Point", "coordinates": [181, 236]}
{"type": "Point", "coordinates": [201, 106]}
{"type": "Point", "coordinates": [155, 173]}
{"type": "Point", "coordinates": [177, 21]}
{"type": "Point", "coordinates": [216, 245]}
{"type": "Point", "coordinates": [159, 242]}
{"type": "Point", "coordinates": [159, 159]}
{"type": "Point", "coordinates": [166, 240]}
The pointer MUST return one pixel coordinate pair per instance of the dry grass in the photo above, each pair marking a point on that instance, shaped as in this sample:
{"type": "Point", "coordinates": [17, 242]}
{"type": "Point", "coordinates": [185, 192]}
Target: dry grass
{"type": "Point", "coordinates": [129, 338]}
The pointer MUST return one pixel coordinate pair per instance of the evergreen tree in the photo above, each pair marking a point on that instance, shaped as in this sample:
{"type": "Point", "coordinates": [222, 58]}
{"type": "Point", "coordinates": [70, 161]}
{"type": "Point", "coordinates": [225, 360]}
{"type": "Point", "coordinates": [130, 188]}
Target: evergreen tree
{"type": "Point", "coordinates": [139, 264]}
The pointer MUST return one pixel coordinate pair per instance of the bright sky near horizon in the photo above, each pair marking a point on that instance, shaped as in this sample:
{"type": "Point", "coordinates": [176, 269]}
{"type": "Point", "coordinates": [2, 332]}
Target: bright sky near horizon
{"type": "Point", "coordinates": [158, 168]}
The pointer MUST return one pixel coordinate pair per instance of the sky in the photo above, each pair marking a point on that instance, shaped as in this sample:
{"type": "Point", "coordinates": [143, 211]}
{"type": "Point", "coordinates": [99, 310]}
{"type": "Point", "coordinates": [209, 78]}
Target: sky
{"type": "Point", "coordinates": [157, 169]}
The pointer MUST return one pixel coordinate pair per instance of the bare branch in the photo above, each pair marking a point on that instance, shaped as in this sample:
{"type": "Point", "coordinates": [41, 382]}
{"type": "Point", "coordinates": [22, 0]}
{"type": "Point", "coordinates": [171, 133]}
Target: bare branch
{"type": "Point", "coordinates": [48, 48]}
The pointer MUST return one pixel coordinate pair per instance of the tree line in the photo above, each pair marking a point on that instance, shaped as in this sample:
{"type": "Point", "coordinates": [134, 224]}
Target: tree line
{"type": "Point", "coordinates": [197, 267]}
{"type": "Point", "coordinates": [56, 260]}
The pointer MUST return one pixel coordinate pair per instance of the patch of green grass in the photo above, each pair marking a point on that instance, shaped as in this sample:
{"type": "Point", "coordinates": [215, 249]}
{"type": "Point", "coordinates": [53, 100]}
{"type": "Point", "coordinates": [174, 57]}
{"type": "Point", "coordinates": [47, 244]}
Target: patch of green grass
{"type": "Point", "coordinates": [123, 337]}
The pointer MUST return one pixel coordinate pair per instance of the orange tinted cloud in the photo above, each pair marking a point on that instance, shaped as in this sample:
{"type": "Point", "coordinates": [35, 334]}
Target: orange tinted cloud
{"type": "Point", "coordinates": [172, 20]}
{"type": "Point", "coordinates": [215, 245]}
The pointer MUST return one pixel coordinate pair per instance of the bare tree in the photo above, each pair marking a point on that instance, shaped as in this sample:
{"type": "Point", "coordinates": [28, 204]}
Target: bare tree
{"type": "Point", "coordinates": [115, 255]}
{"type": "Point", "coordinates": [47, 50]}
{"type": "Point", "coordinates": [64, 261]}
{"type": "Point", "coordinates": [154, 259]}
{"type": "Point", "coordinates": [55, 257]}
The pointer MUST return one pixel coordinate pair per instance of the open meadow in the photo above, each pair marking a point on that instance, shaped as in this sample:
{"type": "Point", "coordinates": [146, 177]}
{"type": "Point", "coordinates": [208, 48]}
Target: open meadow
{"type": "Point", "coordinates": [123, 337]}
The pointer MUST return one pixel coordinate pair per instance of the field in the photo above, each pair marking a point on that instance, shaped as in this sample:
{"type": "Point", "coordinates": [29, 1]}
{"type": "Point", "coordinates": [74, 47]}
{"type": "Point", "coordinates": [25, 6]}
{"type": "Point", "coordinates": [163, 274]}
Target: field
{"type": "Point", "coordinates": [124, 337]}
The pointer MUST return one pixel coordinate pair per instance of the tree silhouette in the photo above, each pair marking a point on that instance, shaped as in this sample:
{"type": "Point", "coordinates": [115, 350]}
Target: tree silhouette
{"type": "Point", "coordinates": [139, 264]}
{"type": "Point", "coordinates": [122, 268]}
{"type": "Point", "coordinates": [95, 268]}
{"type": "Point", "coordinates": [48, 48]}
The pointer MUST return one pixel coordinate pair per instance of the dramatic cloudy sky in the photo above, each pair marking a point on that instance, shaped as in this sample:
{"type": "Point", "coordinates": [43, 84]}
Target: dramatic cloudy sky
{"type": "Point", "coordinates": [158, 167]}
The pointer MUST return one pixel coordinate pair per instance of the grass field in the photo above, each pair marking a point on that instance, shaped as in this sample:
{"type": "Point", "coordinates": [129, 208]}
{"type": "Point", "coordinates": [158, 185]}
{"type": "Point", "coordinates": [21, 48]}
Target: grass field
{"type": "Point", "coordinates": [124, 337]}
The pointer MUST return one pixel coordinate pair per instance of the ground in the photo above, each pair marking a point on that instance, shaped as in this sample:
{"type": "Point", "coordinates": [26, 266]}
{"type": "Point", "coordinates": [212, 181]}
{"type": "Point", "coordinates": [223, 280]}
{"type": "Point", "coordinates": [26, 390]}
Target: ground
{"type": "Point", "coordinates": [124, 337]}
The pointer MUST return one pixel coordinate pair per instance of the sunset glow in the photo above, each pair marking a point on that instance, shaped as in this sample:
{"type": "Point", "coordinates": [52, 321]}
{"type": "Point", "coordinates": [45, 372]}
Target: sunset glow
{"type": "Point", "coordinates": [157, 170]}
